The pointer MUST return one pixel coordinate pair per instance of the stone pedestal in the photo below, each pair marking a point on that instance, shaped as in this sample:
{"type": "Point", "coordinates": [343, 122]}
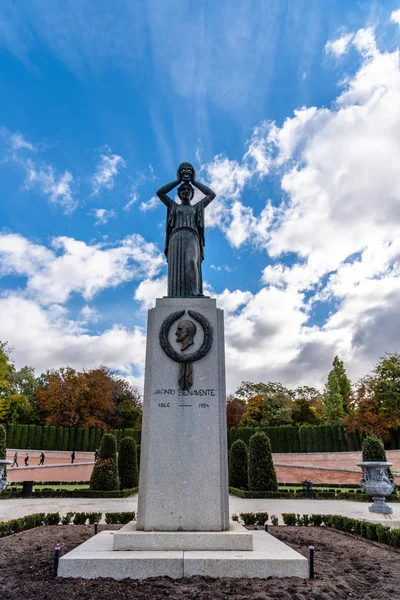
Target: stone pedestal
{"type": "Point", "coordinates": [183, 483]}
{"type": "Point", "coordinates": [183, 526]}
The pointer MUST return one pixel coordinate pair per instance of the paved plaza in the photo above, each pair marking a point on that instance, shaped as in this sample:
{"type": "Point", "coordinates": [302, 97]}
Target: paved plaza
{"type": "Point", "coordinates": [19, 507]}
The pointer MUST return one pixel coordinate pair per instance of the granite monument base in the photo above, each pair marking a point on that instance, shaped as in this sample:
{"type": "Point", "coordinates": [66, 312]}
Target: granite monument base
{"type": "Point", "coordinates": [97, 558]}
{"type": "Point", "coordinates": [183, 482]}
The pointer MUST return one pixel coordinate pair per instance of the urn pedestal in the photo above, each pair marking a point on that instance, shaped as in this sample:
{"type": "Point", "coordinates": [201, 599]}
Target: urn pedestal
{"type": "Point", "coordinates": [3, 474]}
{"type": "Point", "coordinates": [377, 483]}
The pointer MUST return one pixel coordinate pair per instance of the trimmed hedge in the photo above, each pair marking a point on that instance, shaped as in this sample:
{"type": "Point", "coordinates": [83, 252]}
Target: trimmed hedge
{"type": "Point", "coordinates": [308, 438]}
{"type": "Point", "coordinates": [261, 471]}
{"type": "Point", "coordinates": [285, 438]}
{"type": "Point", "coordinates": [370, 531]}
{"type": "Point", "coordinates": [105, 471]}
{"type": "Point", "coordinates": [114, 518]}
{"type": "Point", "coordinates": [127, 463]}
{"type": "Point", "coordinates": [238, 465]}
{"type": "Point", "coordinates": [2, 442]}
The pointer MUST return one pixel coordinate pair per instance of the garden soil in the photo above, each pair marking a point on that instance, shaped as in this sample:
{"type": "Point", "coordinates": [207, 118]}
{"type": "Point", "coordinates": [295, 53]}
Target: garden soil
{"type": "Point", "coordinates": [346, 567]}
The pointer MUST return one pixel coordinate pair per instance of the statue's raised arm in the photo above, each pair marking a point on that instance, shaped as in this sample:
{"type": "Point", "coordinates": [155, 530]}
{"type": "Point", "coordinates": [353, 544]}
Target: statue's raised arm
{"type": "Point", "coordinates": [184, 239]}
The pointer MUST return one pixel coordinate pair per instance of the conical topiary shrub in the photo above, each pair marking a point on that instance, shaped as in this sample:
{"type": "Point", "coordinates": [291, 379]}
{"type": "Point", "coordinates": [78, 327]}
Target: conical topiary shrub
{"type": "Point", "coordinates": [127, 463]}
{"type": "Point", "coordinates": [238, 465]}
{"type": "Point", "coordinates": [105, 471]}
{"type": "Point", "coordinates": [2, 442]}
{"type": "Point", "coordinates": [373, 450]}
{"type": "Point", "coordinates": [262, 476]}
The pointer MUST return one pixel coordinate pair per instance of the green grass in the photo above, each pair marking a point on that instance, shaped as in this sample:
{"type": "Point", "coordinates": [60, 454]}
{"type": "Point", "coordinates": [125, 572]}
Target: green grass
{"type": "Point", "coordinates": [57, 486]}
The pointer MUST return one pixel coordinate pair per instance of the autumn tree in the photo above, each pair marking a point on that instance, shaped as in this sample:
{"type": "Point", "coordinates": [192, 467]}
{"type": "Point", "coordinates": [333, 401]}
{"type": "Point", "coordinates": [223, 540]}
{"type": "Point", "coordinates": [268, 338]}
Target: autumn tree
{"type": "Point", "coordinates": [88, 399]}
{"type": "Point", "coordinates": [267, 404]}
{"type": "Point", "coordinates": [375, 407]}
{"type": "Point", "coordinates": [234, 411]}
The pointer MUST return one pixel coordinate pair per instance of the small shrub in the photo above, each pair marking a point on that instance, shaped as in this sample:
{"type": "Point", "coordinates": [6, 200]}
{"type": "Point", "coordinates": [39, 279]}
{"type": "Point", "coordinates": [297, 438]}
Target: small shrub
{"type": "Point", "coordinates": [66, 519]}
{"type": "Point", "coordinates": [105, 471]}
{"type": "Point", "coordinates": [80, 518]}
{"type": "Point", "coordinates": [114, 518]}
{"type": "Point", "coordinates": [262, 474]}
{"type": "Point", "coordinates": [235, 518]}
{"type": "Point", "coordinates": [373, 450]}
{"type": "Point", "coordinates": [2, 442]}
{"type": "Point", "coordinates": [127, 463]}
{"type": "Point", "coordinates": [238, 465]}
{"type": "Point", "coordinates": [316, 520]}
{"type": "Point", "coordinates": [94, 517]}
{"type": "Point", "coordinates": [289, 518]}
{"type": "Point", "coordinates": [249, 518]}
{"type": "Point", "coordinates": [52, 518]}
{"type": "Point", "coordinates": [274, 520]}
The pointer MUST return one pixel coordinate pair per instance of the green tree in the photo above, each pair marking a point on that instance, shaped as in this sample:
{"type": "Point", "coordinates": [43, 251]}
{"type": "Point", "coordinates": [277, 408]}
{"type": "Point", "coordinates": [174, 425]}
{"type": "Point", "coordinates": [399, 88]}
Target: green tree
{"type": "Point", "coordinates": [343, 380]}
{"type": "Point", "coordinates": [14, 403]}
{"type": "Point", "coordinates": [270, 404]}
{"type": "Point", "coordinates": [333, 400]}
{"type": "Point", "coordinates": [262, 476]}
{"type": "Point", "coordinates": [238, 465]}
{"type": "Point", "coordinates": [307, 408]}
{"type": "Point", "coordinates": [105, 471]}
{"type": "Point", "coordinates": [127, 463]}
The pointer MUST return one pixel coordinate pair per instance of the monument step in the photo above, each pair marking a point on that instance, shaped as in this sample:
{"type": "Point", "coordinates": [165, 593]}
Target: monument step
{"type": "Point", "coordinates": [236, 538]}
{"type": "Point", "coordinates": [269, 558]}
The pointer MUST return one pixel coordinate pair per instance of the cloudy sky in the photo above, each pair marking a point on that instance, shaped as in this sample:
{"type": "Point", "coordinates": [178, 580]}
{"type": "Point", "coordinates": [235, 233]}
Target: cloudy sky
{"type": "Point", "coordinates": [290, 110]}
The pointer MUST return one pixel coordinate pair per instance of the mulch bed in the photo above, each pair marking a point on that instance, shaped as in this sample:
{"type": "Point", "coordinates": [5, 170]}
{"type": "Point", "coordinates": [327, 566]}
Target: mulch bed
{"type": "Point", "coordinates": [346, 567]}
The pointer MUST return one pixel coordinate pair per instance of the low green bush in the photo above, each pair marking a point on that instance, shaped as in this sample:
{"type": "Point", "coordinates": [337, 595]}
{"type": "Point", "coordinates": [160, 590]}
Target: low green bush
{"type": "Point", "coordinates": [274, 520]}
{"type": "Point", "coordinates": [254, 518]}
{"type": "Point", "coordinates": [289, 519]}
{"type": "Point", "coordinates": [52, 518]}
{"type": "Point", "coordinates": [115, 518]}
{"type": "Point", "coordinates": [80, 518]}
{"type": "Point", "coordinates": [66, 520]}
{"type": "Point", "coordinates": [94, 517]}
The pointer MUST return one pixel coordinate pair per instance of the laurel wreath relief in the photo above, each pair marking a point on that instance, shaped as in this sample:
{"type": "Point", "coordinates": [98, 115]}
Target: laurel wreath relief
{"type": "Point", "coordinates": [185, 375]}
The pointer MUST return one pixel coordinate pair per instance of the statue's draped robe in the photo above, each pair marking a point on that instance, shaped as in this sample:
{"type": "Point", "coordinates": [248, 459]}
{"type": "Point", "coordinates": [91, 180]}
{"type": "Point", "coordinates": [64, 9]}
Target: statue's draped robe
{"type": "Point", "coordinates": [184, 249]}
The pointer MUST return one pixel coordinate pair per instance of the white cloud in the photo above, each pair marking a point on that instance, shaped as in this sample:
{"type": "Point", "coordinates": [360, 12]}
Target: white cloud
{"type": "Point", "coordinates": [132, 200]}
{"type": "Point", "coordinates": [339, 46]}
{"type": "Point", "coordinates": [151, 204]}
{"type": "Point", "coordinates": [103, 215]}
{"type": "Point", "coordinates": [72, 266]}
{"type": "Point", "coordinates": [48, 340]}
{"type": "Point", "coordinates": [89, 315]}
{"type": "Point", "coordinates": [395, 16]}
{"type": "Point", "coordinates": [150, 289]}
{"type": "Point", "coordinates": [340, 216]}
{"type": "Point", "coordinates": [106, 171]}
{"type": "Point", "coordinates": [58, 188]}
{"type": "Point", "coordinates": [17, 141]}
{"type": "Point", "coordinates": [40, 175]}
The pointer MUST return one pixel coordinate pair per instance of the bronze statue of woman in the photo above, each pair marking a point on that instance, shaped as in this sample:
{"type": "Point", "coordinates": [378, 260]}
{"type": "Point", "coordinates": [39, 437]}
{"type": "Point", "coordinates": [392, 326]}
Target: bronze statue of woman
{"type": "Point", "coordinates": [184, 238]}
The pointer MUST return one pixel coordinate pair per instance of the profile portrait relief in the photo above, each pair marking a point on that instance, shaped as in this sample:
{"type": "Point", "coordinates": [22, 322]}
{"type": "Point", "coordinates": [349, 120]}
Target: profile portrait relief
{"type": "Point", "coordinates": [185, 333]}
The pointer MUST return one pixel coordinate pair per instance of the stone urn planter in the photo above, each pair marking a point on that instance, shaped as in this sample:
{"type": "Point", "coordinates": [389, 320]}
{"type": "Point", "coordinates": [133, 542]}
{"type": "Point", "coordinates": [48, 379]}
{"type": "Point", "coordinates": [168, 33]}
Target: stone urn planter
{"type": "Point", "coordinates": [377, 483]}
{"type": "Point", "coordinates": [3, 474]}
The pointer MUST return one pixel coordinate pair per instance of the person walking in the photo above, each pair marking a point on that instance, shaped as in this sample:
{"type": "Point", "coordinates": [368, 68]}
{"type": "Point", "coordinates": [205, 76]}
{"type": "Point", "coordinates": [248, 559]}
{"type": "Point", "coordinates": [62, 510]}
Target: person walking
{"type": "Point", "coordinates": [73, 456]}
{"type": "Point", "coordinates": [42, 457]}
{"type": "Point", "coordinates": [15, 462]}
{"type": "Point", "coordinates": [26, 460]}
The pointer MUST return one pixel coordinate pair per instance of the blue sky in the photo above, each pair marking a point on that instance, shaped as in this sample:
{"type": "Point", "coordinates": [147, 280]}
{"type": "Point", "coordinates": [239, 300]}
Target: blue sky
{"type": "Point", "coordinates": [289, 110]}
